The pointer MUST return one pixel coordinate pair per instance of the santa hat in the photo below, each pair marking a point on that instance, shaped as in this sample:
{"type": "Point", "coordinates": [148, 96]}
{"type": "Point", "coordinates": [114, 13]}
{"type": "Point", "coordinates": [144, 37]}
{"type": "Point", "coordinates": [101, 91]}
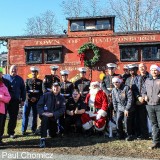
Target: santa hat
{"type": "Point", "coordinates": [154, 66]}
{"type": "Point", "coordinates": [116, 79]}
{"type": "Point", "coordinates": [94, 83]}
{"type": "Point", "coordinates": [100, 124]}
{"type": "Point", "coordinates": [87, 123]}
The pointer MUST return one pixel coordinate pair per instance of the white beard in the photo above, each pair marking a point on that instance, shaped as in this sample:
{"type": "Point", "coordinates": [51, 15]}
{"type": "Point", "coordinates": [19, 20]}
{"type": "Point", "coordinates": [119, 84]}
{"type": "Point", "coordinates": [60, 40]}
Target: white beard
{"type": "Point", "coordinates": [92, 93]}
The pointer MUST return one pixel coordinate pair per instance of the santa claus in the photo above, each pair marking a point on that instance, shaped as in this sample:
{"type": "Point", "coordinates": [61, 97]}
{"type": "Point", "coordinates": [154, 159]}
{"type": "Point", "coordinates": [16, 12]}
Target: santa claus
{"type": "Point", "coordinates": [97, 103]}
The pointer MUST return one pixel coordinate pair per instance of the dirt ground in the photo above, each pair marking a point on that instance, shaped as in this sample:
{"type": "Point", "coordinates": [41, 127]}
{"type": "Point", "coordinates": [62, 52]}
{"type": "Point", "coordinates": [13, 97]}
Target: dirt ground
{"type": "Point", "coordinates": [79, 145]}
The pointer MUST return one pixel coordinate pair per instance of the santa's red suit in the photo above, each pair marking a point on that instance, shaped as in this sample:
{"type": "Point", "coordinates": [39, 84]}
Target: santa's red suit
{"type": "Point", "coordinates": [97, 102]}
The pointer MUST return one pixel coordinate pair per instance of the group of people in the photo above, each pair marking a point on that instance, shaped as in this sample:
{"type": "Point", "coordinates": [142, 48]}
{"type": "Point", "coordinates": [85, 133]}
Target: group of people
{"type": "Point", "coordinates": [84, 106]}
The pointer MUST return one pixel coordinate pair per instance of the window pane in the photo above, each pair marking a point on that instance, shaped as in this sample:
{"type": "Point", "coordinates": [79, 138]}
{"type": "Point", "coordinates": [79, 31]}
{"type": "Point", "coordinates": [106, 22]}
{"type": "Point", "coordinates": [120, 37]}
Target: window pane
{"type": "Point", "coordinates": [103, 24]}
{"type": "Point", "coordinates": [34, 56]}
{"type": "Point", "coordinates": [129, 54]}
{"type": "Point", "coordinates": [90, 25]}
{"type": "Point", "coordinates": [151, 53]}
{"type": "Point", "coordinates": [53, 55]}
{"type": "Point", "coordinates": [77, 26]}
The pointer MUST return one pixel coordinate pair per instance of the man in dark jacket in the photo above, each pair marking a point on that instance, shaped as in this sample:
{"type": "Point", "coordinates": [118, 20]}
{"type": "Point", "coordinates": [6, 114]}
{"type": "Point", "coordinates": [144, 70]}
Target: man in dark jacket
{"type": "Point", "coordinates": [50, 107]}
{"type": "Point", "coordinates": [151, 94]}
{"type": "Point", "coordinates": [126, 73]}
{"type": "Point", "coordinates": [132, 82]}
{"type": "Point", "coordinates": [141, 112]}
{"type": "Point", "coordinates": [122, 103]}
{"type": "Point", "coordinates": [75, 107]}
{"type": "Point", "coordinates": [18, 96]}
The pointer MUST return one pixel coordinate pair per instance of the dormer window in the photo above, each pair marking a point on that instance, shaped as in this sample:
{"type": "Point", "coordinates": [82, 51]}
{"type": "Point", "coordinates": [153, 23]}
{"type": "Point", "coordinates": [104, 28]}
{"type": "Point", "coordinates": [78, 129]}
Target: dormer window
{"type": "Point", "coordinates": [77, 26]}
{"type": "Point", "coordinates": [91, 24]}
{"type": "Point", "coordinates": [103, 24]}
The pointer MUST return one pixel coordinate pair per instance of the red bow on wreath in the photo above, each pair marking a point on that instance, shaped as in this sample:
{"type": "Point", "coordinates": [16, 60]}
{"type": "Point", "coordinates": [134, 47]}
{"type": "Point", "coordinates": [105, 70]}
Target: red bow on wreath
{"type": "Point", "coordinates": [82, 55]}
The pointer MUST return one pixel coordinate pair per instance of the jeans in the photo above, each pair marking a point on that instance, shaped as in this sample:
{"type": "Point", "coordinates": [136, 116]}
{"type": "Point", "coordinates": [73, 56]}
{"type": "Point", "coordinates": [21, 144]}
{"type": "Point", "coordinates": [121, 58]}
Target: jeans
{"type": "Point", "coordinates": [26, 111]}
{"type": "Point", "coordinates": [127, 121]}
{"type": "Point", "coordinates": [154, 116]}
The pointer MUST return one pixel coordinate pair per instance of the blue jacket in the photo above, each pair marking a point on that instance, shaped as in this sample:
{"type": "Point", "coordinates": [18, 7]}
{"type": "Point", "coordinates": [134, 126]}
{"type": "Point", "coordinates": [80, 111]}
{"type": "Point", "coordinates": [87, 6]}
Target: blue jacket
{"type": "Point", "coordinates": [52, 103]}
{"type": "Point", "coordinates": [18, 87]}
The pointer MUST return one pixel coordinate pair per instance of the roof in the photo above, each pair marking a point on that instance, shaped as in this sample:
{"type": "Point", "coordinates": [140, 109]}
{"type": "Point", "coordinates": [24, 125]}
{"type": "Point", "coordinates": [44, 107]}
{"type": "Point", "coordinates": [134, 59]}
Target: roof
{"type": "Point", "coordinates": [137, 32]}
{"type": "Point", "coordinates": [34, 36]}
{"type": "Point", "coordinates": [6, 38]}
{"type": "Point", "coordinates": [89, 17]}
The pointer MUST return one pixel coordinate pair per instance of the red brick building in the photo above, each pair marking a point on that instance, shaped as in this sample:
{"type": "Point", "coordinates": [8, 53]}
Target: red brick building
{"type": "Point", "coordinates": [121, 48]}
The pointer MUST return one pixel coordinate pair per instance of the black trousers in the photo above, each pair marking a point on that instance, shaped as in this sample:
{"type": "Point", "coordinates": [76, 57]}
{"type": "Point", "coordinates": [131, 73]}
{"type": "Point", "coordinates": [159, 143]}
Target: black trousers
{"type": "Point", "coordinates": [154, 116]}
{"type": "Point", "coordinates": [141, 127]}
{"type": "Point", "coordinates": [127, 121]}
{"type": "Point", "coordinates": [48, 123]}
{"type": "Point", "coordinates": [12, 109]}
{"type": "Point", "coordinates": [70, 120]}
{"type": "Point", "coordinates": [2, 124]}
{"type": "Point", "coordinates": [110, 111]}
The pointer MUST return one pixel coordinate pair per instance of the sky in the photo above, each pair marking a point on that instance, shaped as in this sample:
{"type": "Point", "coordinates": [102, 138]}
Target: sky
{"type": "Point", "coordinates": [14, 15]}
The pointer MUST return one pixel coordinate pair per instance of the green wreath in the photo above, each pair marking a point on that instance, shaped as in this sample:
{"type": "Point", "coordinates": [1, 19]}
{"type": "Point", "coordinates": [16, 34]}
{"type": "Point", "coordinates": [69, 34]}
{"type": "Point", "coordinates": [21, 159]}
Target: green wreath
{"type": "Point", "coordinates": [82, 52]}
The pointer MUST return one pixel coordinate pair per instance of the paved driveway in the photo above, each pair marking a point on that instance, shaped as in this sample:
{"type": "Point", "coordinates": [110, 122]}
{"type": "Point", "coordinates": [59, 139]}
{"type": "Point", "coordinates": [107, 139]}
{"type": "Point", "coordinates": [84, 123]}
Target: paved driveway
{"type": "Point", "coordinates": [11, 155]}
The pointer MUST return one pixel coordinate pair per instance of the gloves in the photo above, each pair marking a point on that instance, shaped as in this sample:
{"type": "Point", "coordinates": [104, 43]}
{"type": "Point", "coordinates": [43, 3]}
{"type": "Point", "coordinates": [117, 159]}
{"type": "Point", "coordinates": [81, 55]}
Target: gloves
{"type": "Point", "coordinates": [98, 116]}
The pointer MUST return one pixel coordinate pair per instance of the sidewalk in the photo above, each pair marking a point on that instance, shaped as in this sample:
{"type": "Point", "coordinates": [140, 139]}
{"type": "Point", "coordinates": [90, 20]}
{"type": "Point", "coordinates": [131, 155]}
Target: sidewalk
{"type": "Point", "coordinates": [11, 155]}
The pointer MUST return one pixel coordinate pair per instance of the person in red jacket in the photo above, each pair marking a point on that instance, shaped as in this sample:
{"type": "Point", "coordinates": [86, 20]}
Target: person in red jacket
{"type": "Point", "coordinates": [97, 103]}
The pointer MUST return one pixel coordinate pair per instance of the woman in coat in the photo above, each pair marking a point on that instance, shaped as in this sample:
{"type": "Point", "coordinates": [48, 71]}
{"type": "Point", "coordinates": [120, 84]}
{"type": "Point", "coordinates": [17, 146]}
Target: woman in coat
{"type": "Point", "coordinates": [4, 98]}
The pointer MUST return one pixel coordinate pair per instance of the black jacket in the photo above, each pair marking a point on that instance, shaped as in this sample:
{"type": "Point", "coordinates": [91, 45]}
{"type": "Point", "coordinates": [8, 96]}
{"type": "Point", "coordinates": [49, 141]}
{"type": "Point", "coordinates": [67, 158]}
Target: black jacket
{"type": "Point", "coordinates": [52, 103]}
{"type": "Point", "coordinates": [133, 83]}
{"type": "Point", "coordinates": [48, 82]}
{"type": "Point", "coordinates": [34, 88]}
{"type": "Point", "coordinates": [107, 84]}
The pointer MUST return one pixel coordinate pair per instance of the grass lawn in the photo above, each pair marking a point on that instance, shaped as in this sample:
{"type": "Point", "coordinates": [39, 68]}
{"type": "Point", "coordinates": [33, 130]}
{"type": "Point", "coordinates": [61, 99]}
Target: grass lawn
{"type": "Point", "coordinates": [80, 145]}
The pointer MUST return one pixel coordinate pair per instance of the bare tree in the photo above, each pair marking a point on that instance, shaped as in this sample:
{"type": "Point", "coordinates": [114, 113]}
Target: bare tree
{"type": "Point", "coordinates": [92, 8]}
{"type": "Point", "coordinates": [77, 8]}
{"type": "Point", "coordinates": [73, 8]}
{"type": "Point", "coordinates": [136, 15]}
{"type": "Point", "coordinates": [45, 24]}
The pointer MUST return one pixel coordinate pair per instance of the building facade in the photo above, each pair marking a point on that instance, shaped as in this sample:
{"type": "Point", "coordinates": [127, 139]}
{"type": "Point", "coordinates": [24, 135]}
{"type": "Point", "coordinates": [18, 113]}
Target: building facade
{"type": "Point", "coordinates": [62, 50]}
